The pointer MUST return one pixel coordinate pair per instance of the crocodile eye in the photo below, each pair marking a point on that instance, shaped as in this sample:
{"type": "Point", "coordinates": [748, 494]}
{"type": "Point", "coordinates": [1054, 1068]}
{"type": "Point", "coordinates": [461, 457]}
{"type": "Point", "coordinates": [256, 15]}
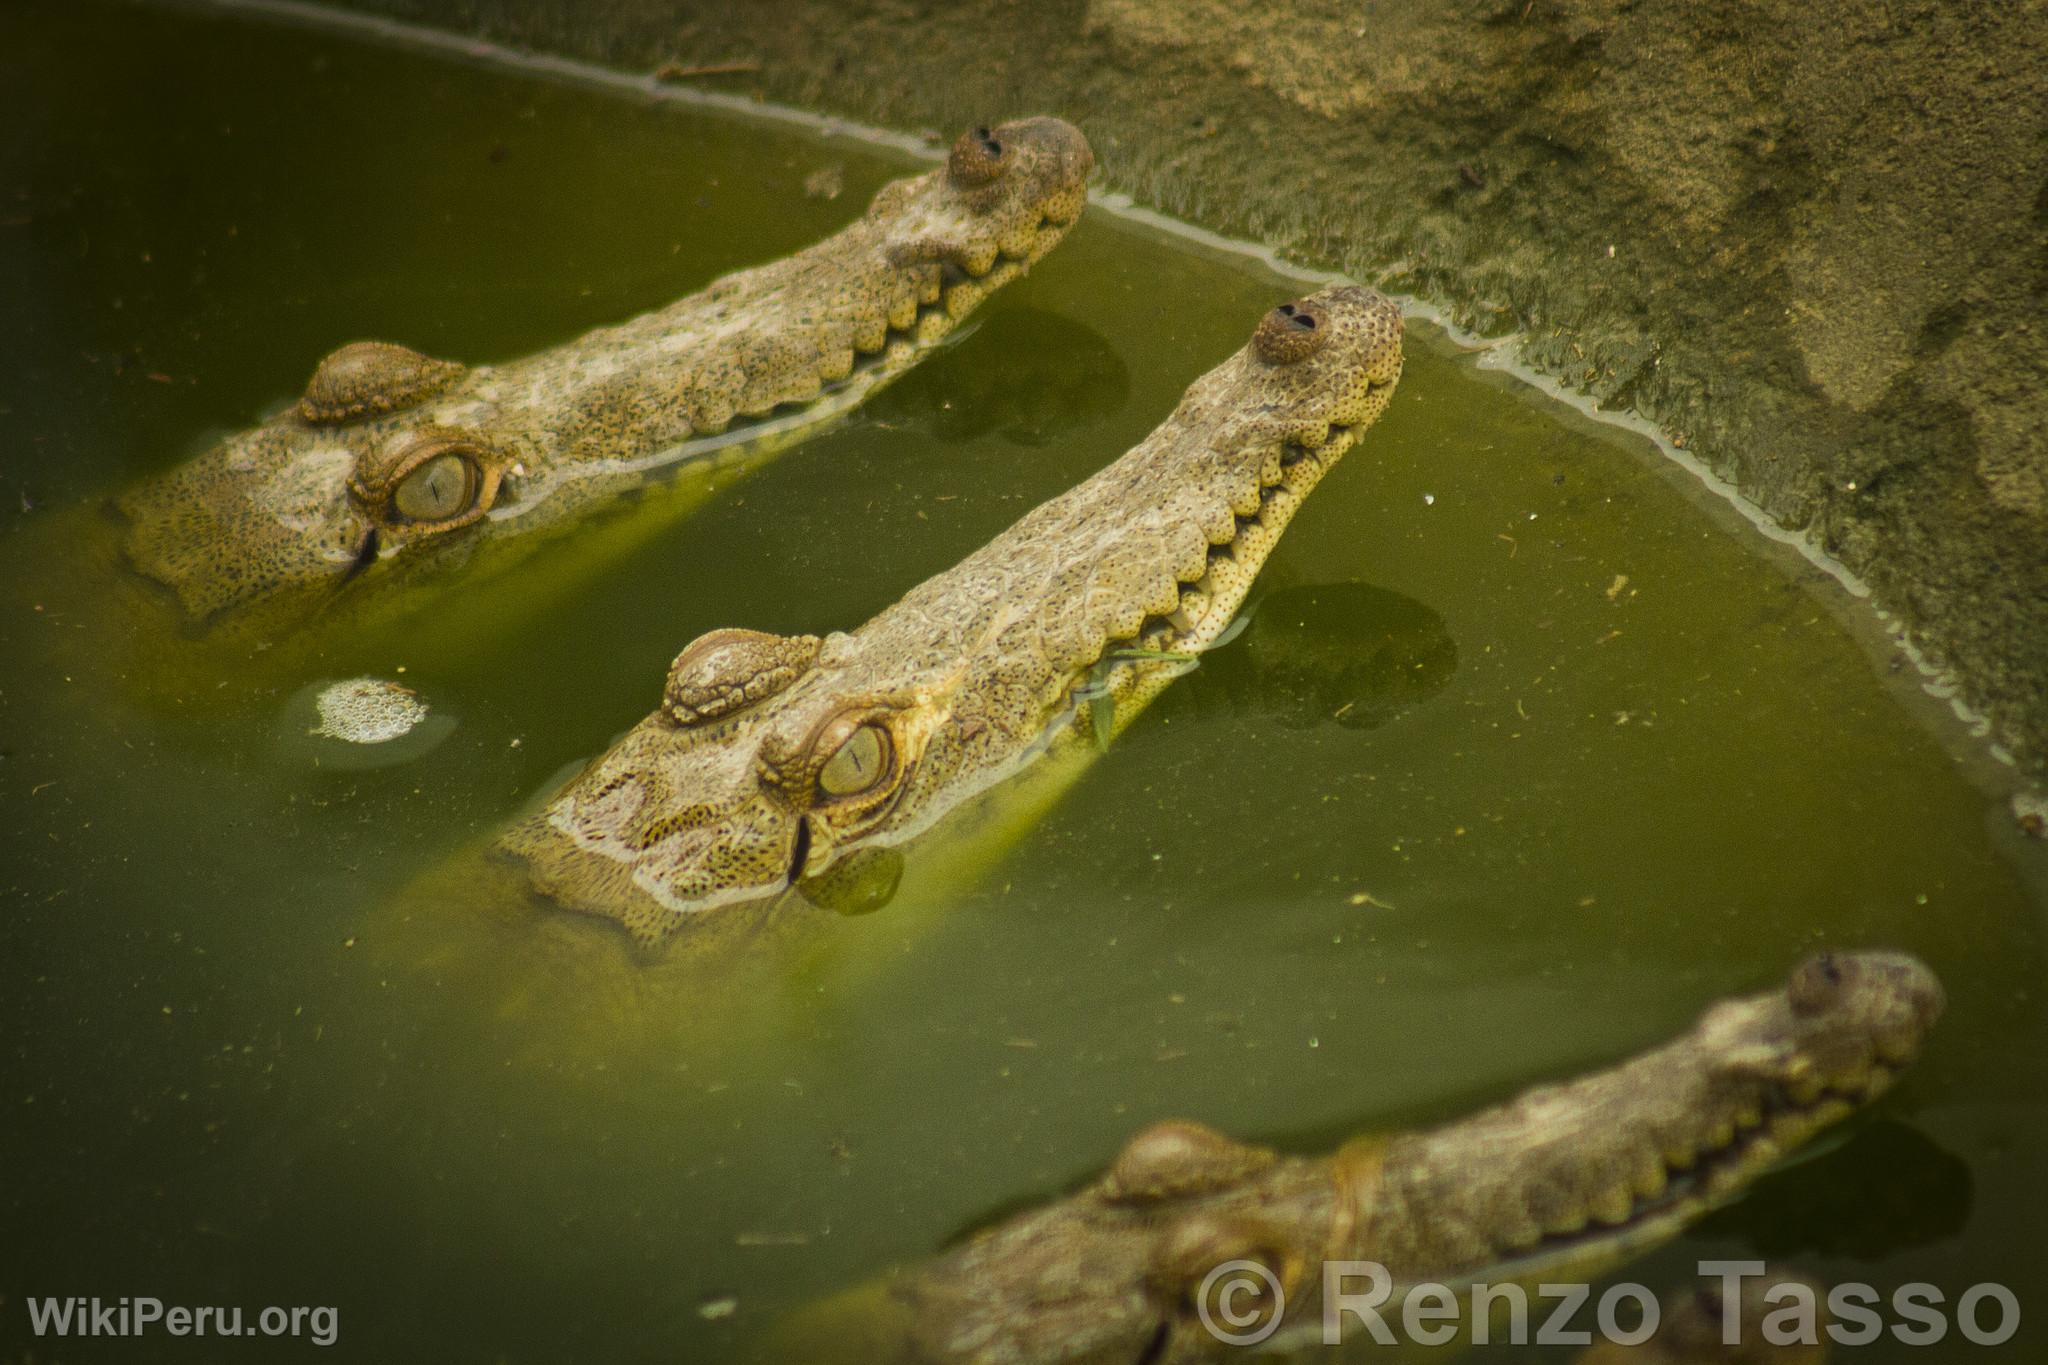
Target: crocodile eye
{"type": "Point", "coordinates": [428, 481]}
{"type": "Point", "coordinates": [859, 763]}
{"type": "Point", "coordinates": [442, 487]}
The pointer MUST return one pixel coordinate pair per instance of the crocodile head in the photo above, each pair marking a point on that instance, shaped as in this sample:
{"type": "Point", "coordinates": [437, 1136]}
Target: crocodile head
{"type": "Point", "coordinates": [1558, 1185]}
{"type": "Point", "coordinates": [394, 459]}
{"type": "Point", "coordinates": [772, 758]}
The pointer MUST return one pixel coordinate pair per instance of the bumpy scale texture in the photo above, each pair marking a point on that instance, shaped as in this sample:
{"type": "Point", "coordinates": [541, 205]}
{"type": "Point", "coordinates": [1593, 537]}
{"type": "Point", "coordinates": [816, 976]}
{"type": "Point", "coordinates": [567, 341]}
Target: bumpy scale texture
{"type": "Point", "coordinates": [318, 496]}
{"type": "Point", "coordinates": [1559, 1184]}
{"type": "Point", "coordinates": [729, 792]}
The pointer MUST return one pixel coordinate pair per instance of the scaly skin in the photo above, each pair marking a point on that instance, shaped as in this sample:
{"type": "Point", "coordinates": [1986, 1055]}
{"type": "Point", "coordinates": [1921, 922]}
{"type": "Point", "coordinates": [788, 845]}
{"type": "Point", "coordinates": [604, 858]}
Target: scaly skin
{"type": "Point", "coordinates": [393, 460]}
{"type": "Point", "coordinates": [772, 759]}
{"type": "Point", "coordinates": [1559, 1185]}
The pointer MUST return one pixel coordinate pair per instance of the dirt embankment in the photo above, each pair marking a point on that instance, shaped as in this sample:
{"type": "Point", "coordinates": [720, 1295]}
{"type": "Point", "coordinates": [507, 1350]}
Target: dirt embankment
{"type": "Point", "coordinates": [1811, 242]}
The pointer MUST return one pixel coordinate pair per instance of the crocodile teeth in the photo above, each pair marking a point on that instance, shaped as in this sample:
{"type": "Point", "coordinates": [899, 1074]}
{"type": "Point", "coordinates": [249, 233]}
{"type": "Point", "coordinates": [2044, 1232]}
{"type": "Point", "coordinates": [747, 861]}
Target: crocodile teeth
{"type": "Point", "coordinates": [1614, 1207]}
{"type": "Point", "coordinates": [1566, 1222]}
{"type": "Point", "coordinates": [1228, 578]}
{"type": "Point", "coordinates": [961, 298]}
{"type": "Point", "coordinates": [1651, 1179]}
{"type": "Point", "coordinates": [1764, 1149]}
{"type": "Point", "coordinates": [1019, 242]}
{"type": "Point", "coordinates": [1818, 1115]}
{"type": "Point", "coordinates": [1679, 1156]}
{"type": "Point", "coordinates": [1520, 1234]}
{"type": "Point", "coordinates": [872, 334]}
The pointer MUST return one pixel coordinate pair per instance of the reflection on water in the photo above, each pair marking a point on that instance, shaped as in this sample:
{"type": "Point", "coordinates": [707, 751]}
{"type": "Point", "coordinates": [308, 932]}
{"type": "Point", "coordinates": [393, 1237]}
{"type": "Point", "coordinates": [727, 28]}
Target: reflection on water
{"type": "Point", "coordinates": [278, 1035]}
{"type": "Point", "coordinates": [1347, 654]}
{"type": "Point", "coordinates": [1036, 376]}
{"type": "Point", "coordinates": [860, 883]}
{"type": "Point", "coordinates": [1890, 1190]}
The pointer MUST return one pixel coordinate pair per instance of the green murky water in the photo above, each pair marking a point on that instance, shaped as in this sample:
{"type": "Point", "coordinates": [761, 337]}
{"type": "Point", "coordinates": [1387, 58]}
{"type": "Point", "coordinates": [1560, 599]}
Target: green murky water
{"type": "Point", "coordinates": [1461, 811]}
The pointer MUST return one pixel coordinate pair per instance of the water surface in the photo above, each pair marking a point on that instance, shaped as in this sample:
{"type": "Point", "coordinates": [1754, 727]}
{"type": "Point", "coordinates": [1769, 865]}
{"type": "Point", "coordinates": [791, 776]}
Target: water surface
{"type": "Point", "coordinates": [1528, 754]}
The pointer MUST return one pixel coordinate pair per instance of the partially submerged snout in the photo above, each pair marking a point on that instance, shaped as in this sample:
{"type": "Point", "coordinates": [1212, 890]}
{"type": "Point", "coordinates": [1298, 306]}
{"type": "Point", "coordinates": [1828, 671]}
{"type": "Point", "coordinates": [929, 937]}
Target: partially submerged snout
{"type": "Point", "coordinates": [1842, 1028]}
{"type": "Point", "coordinates": [392, 458]}
{"type": "Point", "coordinates": [1558, 1185]}
{"type": "Point", "coordinates": [772, 758]}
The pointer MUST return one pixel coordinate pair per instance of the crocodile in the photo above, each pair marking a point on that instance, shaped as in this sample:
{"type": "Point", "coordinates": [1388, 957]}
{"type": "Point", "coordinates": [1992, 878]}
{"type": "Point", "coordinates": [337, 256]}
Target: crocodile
{"type": "Point", "coordinates": [773, 759]}
{"type": "Point", "coordinates": [1556, 1186]}
{"type": "Point", "coordinates": [392, 459]}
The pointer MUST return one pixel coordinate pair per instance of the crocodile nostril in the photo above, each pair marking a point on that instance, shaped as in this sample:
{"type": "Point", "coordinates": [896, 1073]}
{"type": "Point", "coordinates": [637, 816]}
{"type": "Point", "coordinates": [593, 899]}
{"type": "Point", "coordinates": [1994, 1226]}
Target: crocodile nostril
{"type": "Point", "coordinates": [1290, 333]}
{"type": "Point", "coordinates": [977, 159]}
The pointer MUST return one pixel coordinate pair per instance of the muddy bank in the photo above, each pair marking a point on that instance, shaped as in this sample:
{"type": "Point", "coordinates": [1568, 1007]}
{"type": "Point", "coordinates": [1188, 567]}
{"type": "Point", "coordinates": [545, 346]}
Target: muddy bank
{"type": "Point", "coordinates": [1812, 245]}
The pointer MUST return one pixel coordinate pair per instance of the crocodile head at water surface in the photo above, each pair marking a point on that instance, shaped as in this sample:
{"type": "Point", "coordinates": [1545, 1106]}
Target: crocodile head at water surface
{"type": "Point", "coordinates": [1559, 1185]}
{"type": "Point", "coordinates": [392, 459]}
{"type": "Point", "coordinates": [773, 758]}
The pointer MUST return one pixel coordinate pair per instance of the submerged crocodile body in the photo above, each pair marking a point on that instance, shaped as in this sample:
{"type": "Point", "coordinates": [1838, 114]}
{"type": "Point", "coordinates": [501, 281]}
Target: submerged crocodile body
{"type": "Point", "coordinates": [773, 758]}
{"type": "Point", "coordinates": [1558, 1185]}
{"type": "Point", "coordinates": [392, 457]}
{"type": "Point", "coordinates": [1698, 1324]}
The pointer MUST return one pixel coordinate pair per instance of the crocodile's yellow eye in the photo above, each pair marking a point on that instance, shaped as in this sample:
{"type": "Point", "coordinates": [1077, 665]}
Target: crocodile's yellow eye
{"type": "Point", "coordinates": [428, 481]}
{"type": "Point", "coordinates": [442, 488]}
{"type": "Point", "coordinates": [861, 762]}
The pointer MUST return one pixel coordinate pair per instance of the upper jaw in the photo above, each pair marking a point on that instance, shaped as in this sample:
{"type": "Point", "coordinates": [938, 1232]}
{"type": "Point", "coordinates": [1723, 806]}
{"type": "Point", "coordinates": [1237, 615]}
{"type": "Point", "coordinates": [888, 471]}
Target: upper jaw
{"type": "Point", "coordinates": [1015, 219]}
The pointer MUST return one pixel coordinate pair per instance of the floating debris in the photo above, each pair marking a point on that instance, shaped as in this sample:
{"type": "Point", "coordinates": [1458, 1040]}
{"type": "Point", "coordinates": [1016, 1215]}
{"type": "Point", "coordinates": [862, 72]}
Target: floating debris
{"type": "Point", "coordinates": [827, 183]}
{"type": "Point", "coordinates": [359, 723]}
{"type": "Point", "coordinates": [368, 711]}
{"type": "Point", "coordinates": [2030, 813]}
